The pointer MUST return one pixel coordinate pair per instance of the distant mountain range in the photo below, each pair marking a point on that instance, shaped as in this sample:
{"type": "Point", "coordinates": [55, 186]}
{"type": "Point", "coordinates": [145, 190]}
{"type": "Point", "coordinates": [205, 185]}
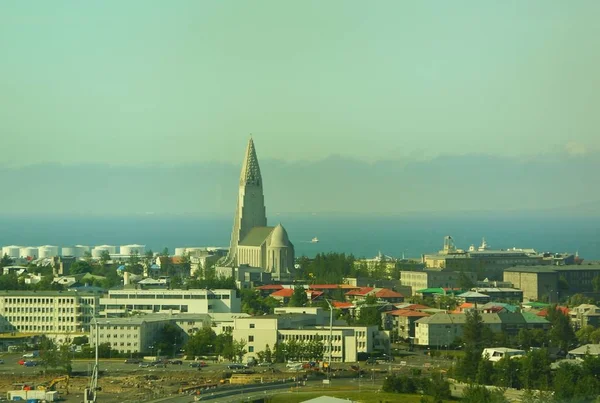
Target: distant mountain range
{"type": "Point", "coordinates": [551, 183]}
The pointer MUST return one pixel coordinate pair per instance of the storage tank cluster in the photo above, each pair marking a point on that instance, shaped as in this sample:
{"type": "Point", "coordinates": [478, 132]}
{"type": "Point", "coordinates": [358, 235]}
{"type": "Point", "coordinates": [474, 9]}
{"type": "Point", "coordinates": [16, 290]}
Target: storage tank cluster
{"type": "Point", "coordinates": [12, 251]}
{"type": "Point", "coordinates": [127, 250]}
{"type": "Point", "coordinates": [47, 251]}
{"type": "Point", "coordinates": [28, 251]}
{"type": "Point", "coordinates": [97, 251]}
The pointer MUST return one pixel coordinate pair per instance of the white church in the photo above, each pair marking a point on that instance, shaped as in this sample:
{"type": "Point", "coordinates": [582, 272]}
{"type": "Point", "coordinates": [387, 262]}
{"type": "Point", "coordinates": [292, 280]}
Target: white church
{"type": "Point", "coordinates": [253, 242]}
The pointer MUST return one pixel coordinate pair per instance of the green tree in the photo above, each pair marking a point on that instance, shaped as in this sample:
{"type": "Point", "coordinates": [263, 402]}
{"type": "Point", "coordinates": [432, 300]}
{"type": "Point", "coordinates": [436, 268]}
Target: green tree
{"type": "Point", "coordinates": [268, 354]}
{"type": "Point", "coordinates": [49, 356]}
{"type": "Point", "coordinates": [561, 332]}
{"type": "Point", "coordinates": [485, 372]}
{"type": "Point", "coordinates": [464, 282]}
{"type": "Point", "coordinates": [473, 338]}
{"type": "Point", "coordinates": [596, 283]}
{"type": "Point", "coordinates": [239, 349]}
{"type": "Point", "coordinates": [578, 299]}
{"type": "Point", "coordinates": [169, 339]}
{"type": "Point", "coordinates": [80, 267]}
{"type": "Point", "coordinates": [299, 297]}
{"type": "Point", "coordinates": [104, 257]}
{"type": "Point", "coordinates": [506, 373]}
{"type": "Point", "coordinates": [535, 370]}
{"type": "Point", "coordinates": [481, 394]}
{"type": "Point", "coordinates": [203, 342]}
{"type": "Point", "coordinates": [5, 261]}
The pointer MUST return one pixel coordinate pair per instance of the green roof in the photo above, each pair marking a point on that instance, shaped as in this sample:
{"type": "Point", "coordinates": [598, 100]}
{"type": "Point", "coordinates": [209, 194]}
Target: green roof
{"type": "Point", "coordinates": [533, 318]}
{"type": "Point", "coordinates": [256, 236]}
{"type": "Point", "coordinates": [439, 291]}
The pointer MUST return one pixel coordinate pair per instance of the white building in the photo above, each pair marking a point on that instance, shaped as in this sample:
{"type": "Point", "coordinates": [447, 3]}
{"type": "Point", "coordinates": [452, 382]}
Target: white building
{"type": "Point", "coordinates": [139, 333]}
{"type": "Point", "coordinates": [56, 314]}
{"type": "Point", "coordinates": [120, 302]}
{"type": "Point", "coordinates": [303, 325]}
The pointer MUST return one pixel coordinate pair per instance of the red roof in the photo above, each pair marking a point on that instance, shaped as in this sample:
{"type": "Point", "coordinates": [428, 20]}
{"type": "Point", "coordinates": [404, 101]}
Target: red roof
{"type": "Point", "coordinates": [177, 260]}
{"type": "Point", "coordinates": [331, 286]}
{"type": "Point", "coordinates": [343, 305]}
{"type": "Point", "coordinates": [284, 292]}
{"type": "Point", "coordinates": [270, 287]}
{"type": "Point", "coordinates": [416, 307]}
{"type": "Point", "coordinates": [361, 291]}
{"type": "Point", "coordinates": [407, 312]}
{"type": "Point", "coordinates": [563, 309]}
{"type": "Point", "coordinates": [313, 294]}
{"type": "Point", "coordinates": [387, 293]}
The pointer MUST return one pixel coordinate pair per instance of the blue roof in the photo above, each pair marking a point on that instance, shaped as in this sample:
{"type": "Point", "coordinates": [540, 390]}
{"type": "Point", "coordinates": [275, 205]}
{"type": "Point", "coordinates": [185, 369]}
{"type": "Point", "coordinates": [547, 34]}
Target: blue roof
{"type": "Point", "coordinates": [122, 267]}
{"type": "Point", "coordinates": [155, 267]}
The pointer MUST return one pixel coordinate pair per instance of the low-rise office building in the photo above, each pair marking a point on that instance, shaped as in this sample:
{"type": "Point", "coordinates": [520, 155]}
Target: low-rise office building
{"type": "Point", "coordinates": [418, 280]}
{"type": "Point", "coordinates": [585, 315]}
{"type": "Point", "coordinates": [126, 301]}
{"type": "Point", "coordinates": [542, 282]}
{"type": "Point", "coordinates": [501, 294]}
{"type": "Point", "coordinates": [302, 325]}
{"type": "Point", "coordinates": [60, 315]}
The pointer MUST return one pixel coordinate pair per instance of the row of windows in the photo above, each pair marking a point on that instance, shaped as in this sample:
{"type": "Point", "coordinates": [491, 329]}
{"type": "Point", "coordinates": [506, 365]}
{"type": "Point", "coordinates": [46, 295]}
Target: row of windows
{"type": "Point", "coordinates": [38, 309]}
{"type": "Point", "coordinates": [39, 300]}
{"type": "Point", "coordinates": [174, 296]}
{"type": "Point", "coordinates": [120, 336]}
{"type": "Point", "coordinates": [40, 319]}
{"type": "Point", "coordinates": [45, 328]}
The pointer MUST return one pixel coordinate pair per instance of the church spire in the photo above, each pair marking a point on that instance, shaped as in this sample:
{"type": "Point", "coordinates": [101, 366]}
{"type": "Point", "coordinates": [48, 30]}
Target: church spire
{"type": "Point", "coordinates": [250, 168]}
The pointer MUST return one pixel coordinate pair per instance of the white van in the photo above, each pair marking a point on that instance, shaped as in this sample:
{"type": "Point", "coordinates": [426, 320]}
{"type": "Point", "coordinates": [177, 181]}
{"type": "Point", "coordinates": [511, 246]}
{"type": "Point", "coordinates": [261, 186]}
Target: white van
{"type": "Point", "coordinates": [497, 353]}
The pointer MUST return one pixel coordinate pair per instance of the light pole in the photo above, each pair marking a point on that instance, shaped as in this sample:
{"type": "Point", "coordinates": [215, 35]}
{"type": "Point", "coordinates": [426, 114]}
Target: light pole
{"type": "Point", "coordinates": [330, 337]}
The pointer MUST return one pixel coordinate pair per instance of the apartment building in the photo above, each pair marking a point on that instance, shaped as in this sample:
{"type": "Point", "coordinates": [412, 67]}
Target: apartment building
{"type": "Point", "coordinates": [121, 302]}
{"type": "Point", "coordinates": [60, 315]}
{"type": "Point", "coordinates": [442, 329]}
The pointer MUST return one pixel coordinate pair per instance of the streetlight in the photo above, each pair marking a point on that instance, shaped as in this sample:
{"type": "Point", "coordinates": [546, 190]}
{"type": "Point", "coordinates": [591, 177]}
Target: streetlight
{"type": "Point", "coordinates": [330, 336]}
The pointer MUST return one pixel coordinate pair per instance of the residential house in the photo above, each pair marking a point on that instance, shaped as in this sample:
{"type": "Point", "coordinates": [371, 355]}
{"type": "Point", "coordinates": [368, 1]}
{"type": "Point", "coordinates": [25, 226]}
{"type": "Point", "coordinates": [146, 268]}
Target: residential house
{"type": "Point", "coordinates": [381, 294]}
{"type": "Point", "coordinates": [585, 315]}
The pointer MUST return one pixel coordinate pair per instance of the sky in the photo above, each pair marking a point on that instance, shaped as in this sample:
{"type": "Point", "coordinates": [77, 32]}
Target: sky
{"type": "Point", "coordinates": [147, 82]}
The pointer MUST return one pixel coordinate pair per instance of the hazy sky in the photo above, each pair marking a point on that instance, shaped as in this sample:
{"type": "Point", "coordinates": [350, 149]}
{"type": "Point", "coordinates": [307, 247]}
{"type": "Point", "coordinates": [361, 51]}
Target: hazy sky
{"type": "Point", "coordinates": [155, 81]}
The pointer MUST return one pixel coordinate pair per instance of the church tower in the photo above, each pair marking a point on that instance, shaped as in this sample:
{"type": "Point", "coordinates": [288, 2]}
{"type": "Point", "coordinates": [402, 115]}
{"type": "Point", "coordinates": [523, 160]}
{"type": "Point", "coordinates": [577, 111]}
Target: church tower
{"type": "Point", "coordinates": [250, 211]}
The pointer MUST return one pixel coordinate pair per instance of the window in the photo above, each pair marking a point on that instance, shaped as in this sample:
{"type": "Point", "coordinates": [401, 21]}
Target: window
{"type": "Point", "coordinates": [252, 325]}
{"type": "Point", "coordinates": [250, 338]}
{"type": "Point", "coordinates": [250, 349]}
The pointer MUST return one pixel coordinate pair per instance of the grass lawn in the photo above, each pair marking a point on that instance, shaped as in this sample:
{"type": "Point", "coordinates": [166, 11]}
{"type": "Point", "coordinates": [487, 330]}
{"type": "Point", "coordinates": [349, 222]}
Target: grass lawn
{"type": "Point", "coordinates": [363, 397]}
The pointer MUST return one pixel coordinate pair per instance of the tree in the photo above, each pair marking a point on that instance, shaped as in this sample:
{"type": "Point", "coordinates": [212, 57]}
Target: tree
{"type": "Point", "coordinates": [5, 261]}
{"type": "Point", "coordinates": [48, 354]}
{"type": "Point", "coordinates": [596, 283]}
{"type": "Point", "coordinates": [80, 267]}
{"type": "Point", "coordinates": [203, 342]}
{"type": "Point", "coordinates": [299, 297]}
{"type": "Point", "coordinates": [473, 337]}
{"type": "Point", "coordinates": [485, 372]}
{"type": "Point", "coordinates": [481, 394]}
{"type": "Point", "coordinates": [464, 282]}
{"type": "Point", "coordinates": [369, 316]}
{"type": "Point", "coordinates": [104, 257]}
{"type": "Point", "coordinates": [268, 354]}
{"type": "Point", "coordinates": [561, 333]}
{"type": "Point", "coordinates": [578, 299]}
{"type": "Point", "coordinates": [168, 339]}
{"type": "Point", "coordinates": [535, 370]}
{"type": "Point", "coordinates": [239, 349]}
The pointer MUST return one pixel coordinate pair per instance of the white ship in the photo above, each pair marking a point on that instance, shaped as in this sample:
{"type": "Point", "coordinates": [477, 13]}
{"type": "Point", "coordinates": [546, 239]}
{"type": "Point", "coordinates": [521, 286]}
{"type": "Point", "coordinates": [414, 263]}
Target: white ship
{"type": "Point", "coordinates": [314, 240]}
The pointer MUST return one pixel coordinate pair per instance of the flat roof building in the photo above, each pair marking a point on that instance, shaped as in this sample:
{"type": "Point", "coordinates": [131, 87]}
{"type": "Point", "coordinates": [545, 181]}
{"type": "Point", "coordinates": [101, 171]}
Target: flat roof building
{"type": "Point", "coordinates": [121, 302]}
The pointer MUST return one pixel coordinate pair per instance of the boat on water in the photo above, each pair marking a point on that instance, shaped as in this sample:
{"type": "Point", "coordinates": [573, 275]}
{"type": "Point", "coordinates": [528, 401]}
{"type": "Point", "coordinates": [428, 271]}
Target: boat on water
{"type": "Point", "coordinates": [314, 240]}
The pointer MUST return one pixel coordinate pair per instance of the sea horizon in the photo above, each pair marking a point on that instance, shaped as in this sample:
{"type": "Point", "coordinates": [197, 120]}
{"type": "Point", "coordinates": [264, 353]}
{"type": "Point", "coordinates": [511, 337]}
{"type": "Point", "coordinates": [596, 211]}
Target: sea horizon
{"type": "Point", "coordinates": [362, 235]}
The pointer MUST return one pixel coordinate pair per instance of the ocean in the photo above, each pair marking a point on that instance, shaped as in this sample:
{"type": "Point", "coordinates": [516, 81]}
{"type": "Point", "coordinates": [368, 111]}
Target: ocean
{"type": "Point", "coordinates": [360, 235]}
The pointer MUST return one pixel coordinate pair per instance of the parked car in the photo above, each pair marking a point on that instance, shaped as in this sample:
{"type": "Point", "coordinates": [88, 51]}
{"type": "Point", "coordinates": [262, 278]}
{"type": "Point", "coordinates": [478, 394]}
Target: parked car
{"type": "Point", "coordinates": [236, 366]}
{"type": "Point", "coordinates": [21, 362]}
{"type": "Point", "coordinates": [195, 364]}
{"type": "Point", "coordinates": [159, 365]}
{"type": "Point", "coordinates": [176, 362]}
{"type": "Point", "coordinates": [144, 365]}
{"type": "Point", "coordinates": [31, 363]}
{"type": "Point", "coordinates": [29, 355]}
{"type": "Point", "coordinates": [133, 361]}
{"type": "Point", "coordinates": [265, 364]}
{"type": "Point", "coordinates": [371, 361]}
{"type": "Point", "coordinates": [1, 361]}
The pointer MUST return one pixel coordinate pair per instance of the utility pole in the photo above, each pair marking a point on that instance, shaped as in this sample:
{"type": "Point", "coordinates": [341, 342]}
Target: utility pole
{"type": "Point", "coordinates": [330, 336]}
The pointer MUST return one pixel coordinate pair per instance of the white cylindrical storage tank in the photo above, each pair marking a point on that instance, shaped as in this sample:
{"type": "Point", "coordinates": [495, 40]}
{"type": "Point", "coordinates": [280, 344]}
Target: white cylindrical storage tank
{"type": "Point", "coordinates": [180, 251]}
{"type": "Point", "coordinates": [11, 251]}
{"type": "Point", "coordinates": [48, 251]}
{"type": "Point", "coordinates": [70, 251]}
{"type": "Point", "coordinates": [83, 249]}
{"type": "Point", "coordinates": [110, 248]}
{"type": "Point", "coordinates": [127, 250]}
{"type": "Point", "coordinates": [28, 251]}
{"type": "Point", "coordinates": [98, 250]}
